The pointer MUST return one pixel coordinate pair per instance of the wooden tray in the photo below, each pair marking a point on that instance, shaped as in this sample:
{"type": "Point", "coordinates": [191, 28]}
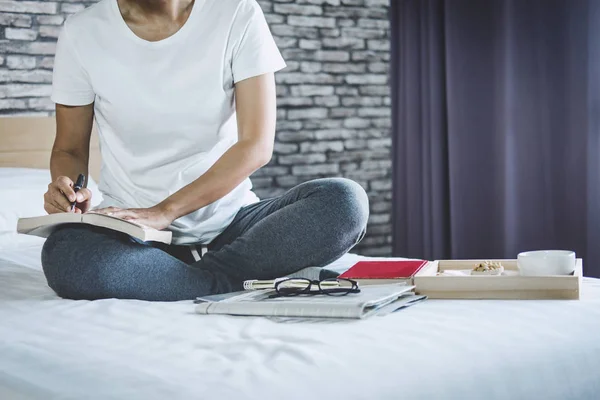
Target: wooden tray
{"type": "Point", "coordinates": [429, 283]}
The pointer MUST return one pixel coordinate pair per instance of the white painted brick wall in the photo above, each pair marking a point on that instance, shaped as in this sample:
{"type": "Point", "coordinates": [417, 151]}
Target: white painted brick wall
{"type": "Point", "coordinates": [334, 113]}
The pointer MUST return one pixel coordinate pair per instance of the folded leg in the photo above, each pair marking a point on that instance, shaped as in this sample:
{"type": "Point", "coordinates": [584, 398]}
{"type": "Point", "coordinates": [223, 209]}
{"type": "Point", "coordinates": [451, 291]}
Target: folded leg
{"type": "Point", "coordinates": [83, 262]}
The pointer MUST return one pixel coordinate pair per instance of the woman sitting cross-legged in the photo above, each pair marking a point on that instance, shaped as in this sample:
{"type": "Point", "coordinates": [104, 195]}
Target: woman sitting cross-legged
{"type": "Point", "coordinates": [183, 94]}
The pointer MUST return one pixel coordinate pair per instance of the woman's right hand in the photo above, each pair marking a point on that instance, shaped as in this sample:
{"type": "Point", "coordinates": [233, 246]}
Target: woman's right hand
{"type": "Point", "coordinates": [61, 194]}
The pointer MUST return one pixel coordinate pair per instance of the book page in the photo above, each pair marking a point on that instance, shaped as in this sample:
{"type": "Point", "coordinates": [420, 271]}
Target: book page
{"type": "Point", "coordinates": [402, 302]}
{"type": "Point", "coordinates": [92, 216]}
{"type": "Point", "coordinates": [281, 309]}
{"type": "Point", "coordinates": [141, 232]}
{"type": "Point", "coordinates": [44, 225]}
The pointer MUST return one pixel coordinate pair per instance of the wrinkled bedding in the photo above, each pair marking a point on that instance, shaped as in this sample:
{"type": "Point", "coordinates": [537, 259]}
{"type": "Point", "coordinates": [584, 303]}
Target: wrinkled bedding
{"type": "Point", "coordinates": [116, 349]}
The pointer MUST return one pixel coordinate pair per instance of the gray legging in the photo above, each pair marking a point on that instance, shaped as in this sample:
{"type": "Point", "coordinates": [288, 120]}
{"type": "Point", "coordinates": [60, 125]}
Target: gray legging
{"type": "Point", "coordinates": [312, 224]}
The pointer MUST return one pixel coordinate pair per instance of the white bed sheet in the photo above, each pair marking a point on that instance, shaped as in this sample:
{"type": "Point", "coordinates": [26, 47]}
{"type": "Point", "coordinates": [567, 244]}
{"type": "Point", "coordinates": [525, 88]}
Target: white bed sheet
{"type": "Point", "coordinates": [114, 349]}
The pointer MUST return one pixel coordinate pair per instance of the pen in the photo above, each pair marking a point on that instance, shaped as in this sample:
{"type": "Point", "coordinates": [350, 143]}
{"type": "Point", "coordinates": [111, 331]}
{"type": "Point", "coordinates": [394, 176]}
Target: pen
{"type": "Point", "coordinates": [78, 185]}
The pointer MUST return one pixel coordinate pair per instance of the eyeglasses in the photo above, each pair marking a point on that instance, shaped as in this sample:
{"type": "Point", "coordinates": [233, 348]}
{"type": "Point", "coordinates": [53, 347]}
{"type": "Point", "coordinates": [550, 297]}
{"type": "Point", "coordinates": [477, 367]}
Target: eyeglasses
{"type": "Point", "coordinates": [302, 286]}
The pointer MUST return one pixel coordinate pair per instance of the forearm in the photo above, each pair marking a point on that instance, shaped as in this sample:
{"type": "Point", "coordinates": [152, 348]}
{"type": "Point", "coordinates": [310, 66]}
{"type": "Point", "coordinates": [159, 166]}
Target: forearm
{"type": "Point", "coordinates": [66, 164]}
{"type": "Point", "coordinates": [235, 165]}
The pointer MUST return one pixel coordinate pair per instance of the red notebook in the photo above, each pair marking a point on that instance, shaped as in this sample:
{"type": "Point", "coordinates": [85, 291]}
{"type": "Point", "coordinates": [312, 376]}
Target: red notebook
{"type": "Point", "coordinates": [383, 271]}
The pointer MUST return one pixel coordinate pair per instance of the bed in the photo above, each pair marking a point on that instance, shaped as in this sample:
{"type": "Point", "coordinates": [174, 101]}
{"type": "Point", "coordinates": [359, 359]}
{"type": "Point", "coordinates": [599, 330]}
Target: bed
{"type": "Point", "coordinates": [52, 348]}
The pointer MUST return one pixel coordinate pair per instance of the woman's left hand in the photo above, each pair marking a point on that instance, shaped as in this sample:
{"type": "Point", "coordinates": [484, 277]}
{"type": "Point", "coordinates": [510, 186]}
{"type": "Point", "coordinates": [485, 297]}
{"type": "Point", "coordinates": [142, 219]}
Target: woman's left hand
{"type": "Point", "coordinates": [153, 217]}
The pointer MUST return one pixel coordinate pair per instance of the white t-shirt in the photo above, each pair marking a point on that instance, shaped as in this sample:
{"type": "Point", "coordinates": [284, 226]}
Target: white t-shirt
{"type": "Point", "coordinates": [165, 110]}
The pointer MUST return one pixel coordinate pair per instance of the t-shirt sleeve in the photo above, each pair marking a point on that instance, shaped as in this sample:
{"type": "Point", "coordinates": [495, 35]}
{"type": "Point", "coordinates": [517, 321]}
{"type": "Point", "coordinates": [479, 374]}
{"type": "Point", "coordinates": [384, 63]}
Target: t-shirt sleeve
{"type": "Point", "coordinates": [255, 52]}
{"type": "Point", "coordinates": [70, 82]}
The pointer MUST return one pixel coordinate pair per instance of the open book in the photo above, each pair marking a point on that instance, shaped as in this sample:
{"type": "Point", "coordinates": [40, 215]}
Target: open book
{"type": "Point", "coordinates": [368, 302]}
{"type": "Point", "coordinates": [43, 226]}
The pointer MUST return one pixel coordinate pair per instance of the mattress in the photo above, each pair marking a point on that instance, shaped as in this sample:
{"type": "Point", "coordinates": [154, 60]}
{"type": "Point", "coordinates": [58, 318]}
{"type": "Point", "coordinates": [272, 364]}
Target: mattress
{"type": "Point", "coordinates": [123, 349]}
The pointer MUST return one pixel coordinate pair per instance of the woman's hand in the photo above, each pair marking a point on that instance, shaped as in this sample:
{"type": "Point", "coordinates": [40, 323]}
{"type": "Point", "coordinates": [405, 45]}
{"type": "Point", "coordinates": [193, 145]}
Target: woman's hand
{"type": "Point", "coordinates": [61, 194]}
{"type": "Point", "coordinates": [153, 217]}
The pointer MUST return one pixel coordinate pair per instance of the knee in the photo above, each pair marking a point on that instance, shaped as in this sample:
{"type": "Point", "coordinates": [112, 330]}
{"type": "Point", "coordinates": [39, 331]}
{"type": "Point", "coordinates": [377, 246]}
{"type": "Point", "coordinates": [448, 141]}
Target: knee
{"type": "Point", "coordinates": [54, 257]}
{"type": "Point", "coordinates": [350, 202]}
{"type": "Point", "coordinates": [59, 261]}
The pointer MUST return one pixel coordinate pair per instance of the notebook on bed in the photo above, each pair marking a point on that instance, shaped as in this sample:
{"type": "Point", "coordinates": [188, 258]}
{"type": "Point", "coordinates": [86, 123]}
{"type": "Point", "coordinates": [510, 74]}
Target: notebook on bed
{"type": "Point", "coordinates": [378, 272]}
{"type": "Point", "coordinates": [43, 226]}
{"type": "Point", "coordinates": [370, 301]}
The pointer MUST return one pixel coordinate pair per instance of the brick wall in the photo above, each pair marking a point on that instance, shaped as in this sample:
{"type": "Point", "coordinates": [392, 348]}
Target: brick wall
{"type": "Point", "coordinates": [334, 105]}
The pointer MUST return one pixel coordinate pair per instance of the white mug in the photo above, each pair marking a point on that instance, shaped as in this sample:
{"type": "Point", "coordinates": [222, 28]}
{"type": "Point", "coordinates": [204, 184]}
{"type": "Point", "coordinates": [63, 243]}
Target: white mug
{"type": "Point", "coordinates": [546, 262]}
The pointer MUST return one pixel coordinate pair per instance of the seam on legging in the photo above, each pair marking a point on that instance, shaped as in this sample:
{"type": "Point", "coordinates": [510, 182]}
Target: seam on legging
{"type": "Point", "coordinates": [361, 236]}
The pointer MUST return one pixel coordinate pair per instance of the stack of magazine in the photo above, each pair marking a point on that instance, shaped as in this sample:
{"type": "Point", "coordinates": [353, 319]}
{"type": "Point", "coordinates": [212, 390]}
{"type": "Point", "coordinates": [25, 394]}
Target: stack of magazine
{"type": "Point", "coordinates": [372, 300]}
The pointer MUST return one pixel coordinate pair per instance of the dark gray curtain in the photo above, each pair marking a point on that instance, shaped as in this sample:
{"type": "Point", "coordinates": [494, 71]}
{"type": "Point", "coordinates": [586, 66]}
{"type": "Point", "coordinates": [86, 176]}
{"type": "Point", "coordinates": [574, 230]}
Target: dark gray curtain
{"type": "Point", "coordinates": [496, 128]}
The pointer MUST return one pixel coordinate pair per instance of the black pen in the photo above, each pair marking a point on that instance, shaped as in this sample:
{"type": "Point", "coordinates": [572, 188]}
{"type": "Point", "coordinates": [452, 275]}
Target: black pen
{"type": "Point", "coordinates": [78, 185]}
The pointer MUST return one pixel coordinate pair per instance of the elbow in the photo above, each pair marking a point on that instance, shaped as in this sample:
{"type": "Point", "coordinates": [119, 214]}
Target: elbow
{"type": "Point", "coordinates": [265, 156]}
{"type": "Point", "coordinates": [258, 153]}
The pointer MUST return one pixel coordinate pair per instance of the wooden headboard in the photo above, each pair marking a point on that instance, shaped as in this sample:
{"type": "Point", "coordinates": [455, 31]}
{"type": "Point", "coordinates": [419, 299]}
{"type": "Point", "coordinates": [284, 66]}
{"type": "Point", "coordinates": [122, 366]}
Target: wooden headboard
{"type": "Point", "coordinates": [27, 142]}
